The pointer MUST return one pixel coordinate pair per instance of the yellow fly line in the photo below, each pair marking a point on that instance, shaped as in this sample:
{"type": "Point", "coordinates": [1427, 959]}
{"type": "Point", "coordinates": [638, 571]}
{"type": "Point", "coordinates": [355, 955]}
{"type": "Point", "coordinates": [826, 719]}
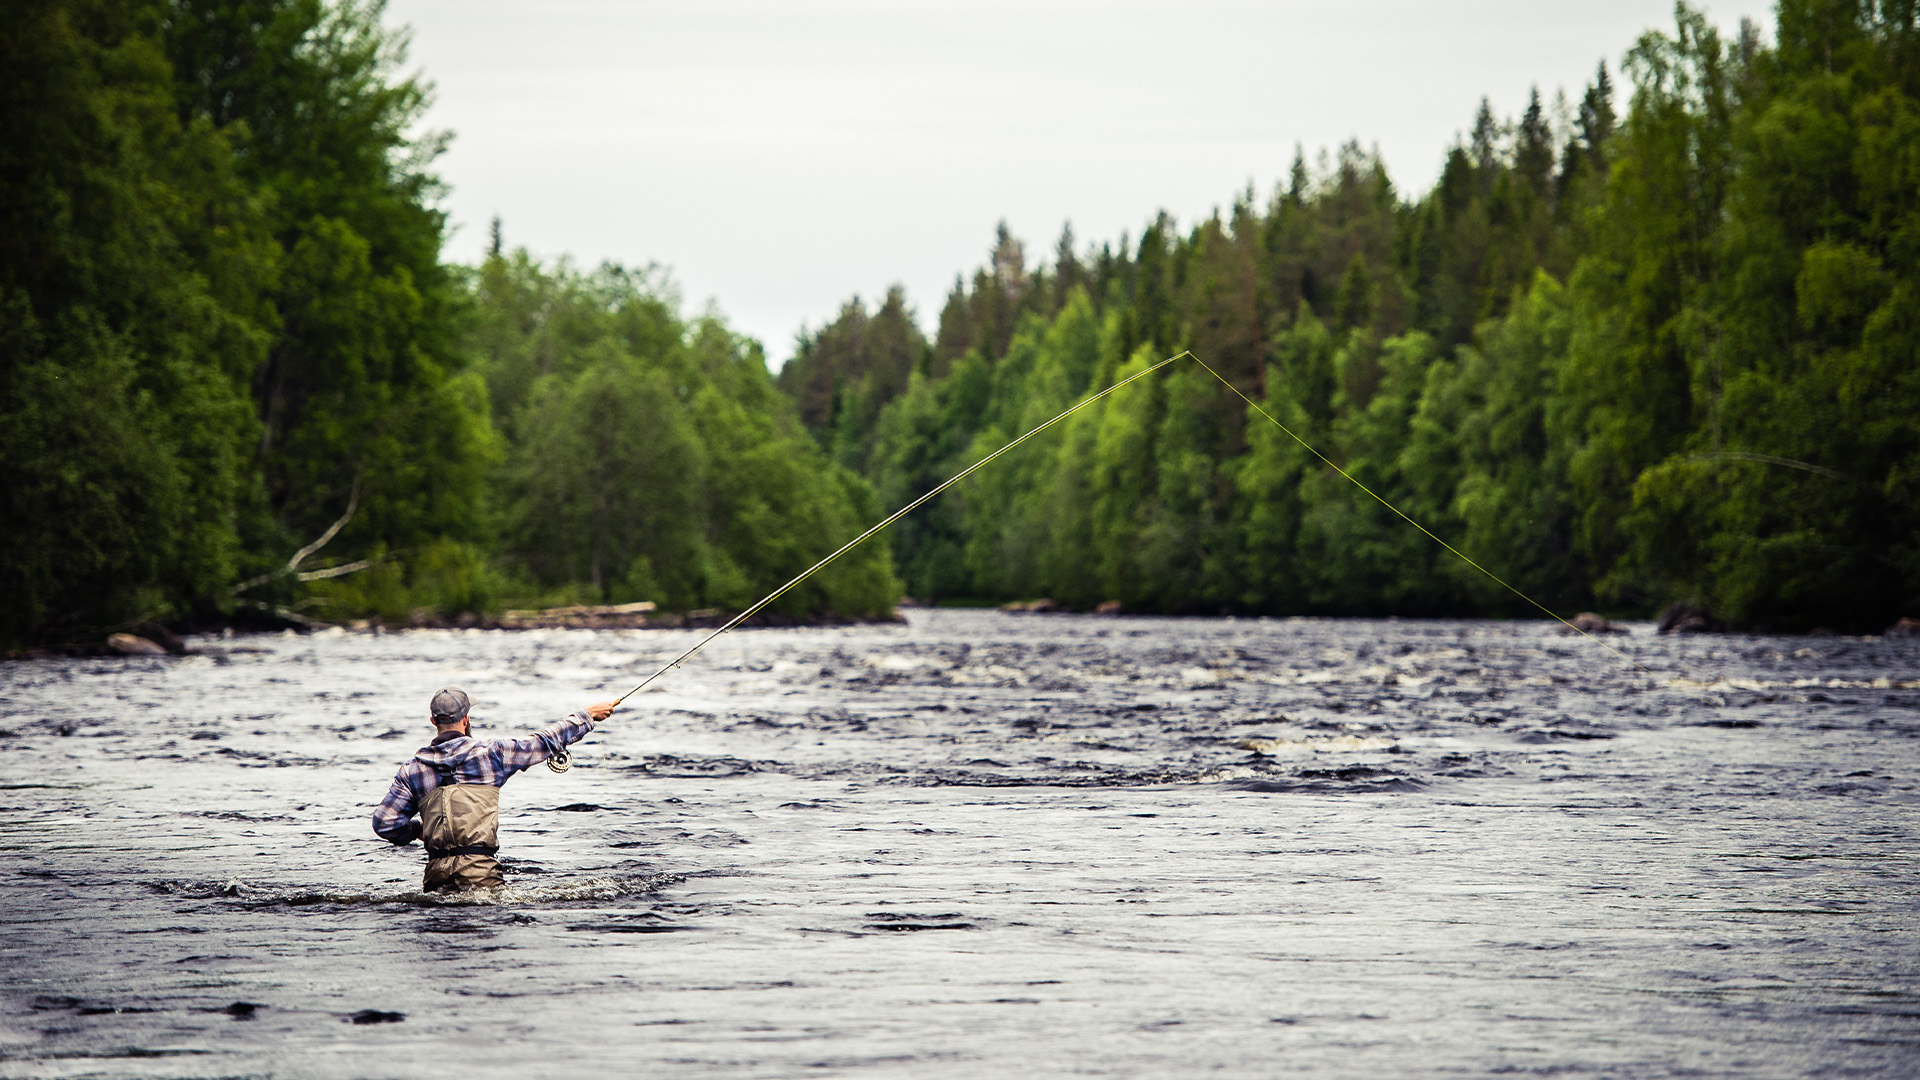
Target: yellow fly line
{"type": "Point", "coordinates": [776, 594]}
{"type": "Point", "coordinates": [1502, 582]}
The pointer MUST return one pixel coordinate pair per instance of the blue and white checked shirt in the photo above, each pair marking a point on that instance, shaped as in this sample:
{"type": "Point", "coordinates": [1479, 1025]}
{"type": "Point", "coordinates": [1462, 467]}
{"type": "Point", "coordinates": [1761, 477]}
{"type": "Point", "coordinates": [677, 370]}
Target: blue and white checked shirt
{"type": "Point", "coordinates": [472, 761]}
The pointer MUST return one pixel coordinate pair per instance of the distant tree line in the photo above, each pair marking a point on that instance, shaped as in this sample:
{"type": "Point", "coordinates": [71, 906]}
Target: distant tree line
{"type": "Point", "coordinates": [1621, 359]}
{"type": "Point", "coordinates": [226, 326]}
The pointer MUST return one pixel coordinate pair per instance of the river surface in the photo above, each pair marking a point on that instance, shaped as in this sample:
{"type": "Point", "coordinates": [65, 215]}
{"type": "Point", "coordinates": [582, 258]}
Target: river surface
{"type": "Point", "coordinates": [981, 845]}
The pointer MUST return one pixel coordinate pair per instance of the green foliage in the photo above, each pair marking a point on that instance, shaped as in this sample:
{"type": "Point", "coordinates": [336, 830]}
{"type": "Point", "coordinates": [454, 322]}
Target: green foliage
{"type": "Point", "coordinates": [226, 323]}
{"type": "Point", "coordinates": [919, 439]}
{"type": "Point", "coordinates": [1498, 407]}
{"type": "Point", "coordinates": [842, 376]}
{"type": "Point", "coordinates": [1624, 358]}
{"type": "Point", "coordinates": [1789, 499]}
{"type": "Point", "coordinates": [652, 459]}
{"type": "Point", "coordinates": [129, 259]}
{"type": "Point", "coordinates": [353, 391]}
{"type": "Point", "coordinates": [605, 479]}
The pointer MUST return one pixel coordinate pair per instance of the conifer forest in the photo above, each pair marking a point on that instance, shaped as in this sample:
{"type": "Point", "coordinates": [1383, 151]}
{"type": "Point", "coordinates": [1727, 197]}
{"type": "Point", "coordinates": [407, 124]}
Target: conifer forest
{"type": "Point", "coordinates": [1656, 341]}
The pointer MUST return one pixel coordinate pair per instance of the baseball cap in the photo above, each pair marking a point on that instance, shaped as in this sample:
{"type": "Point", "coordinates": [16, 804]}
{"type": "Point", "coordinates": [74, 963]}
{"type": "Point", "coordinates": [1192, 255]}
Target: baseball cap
{"type": "Point", "coordinates": [450, 706]}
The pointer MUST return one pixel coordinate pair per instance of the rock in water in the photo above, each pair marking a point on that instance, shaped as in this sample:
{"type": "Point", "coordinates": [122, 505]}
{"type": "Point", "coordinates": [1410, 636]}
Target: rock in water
{"type": "Point", "coordinates": [133, 645]}
{"type": "Point", "coordinates": [1108, 607]}
{"type": "Point", "coordinates": [1904, 628]}
{"type": "Point", "coordinates": [1031, 606]}
{"type": "Point", "coordinates": [1686, 619]}
{"type": "Point", "coordinates": [1588, 622]}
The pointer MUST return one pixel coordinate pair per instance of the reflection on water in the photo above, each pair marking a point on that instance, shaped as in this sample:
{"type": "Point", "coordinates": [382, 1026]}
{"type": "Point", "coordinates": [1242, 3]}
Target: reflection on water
{"type": "Point", "coordinates": [981, 845]}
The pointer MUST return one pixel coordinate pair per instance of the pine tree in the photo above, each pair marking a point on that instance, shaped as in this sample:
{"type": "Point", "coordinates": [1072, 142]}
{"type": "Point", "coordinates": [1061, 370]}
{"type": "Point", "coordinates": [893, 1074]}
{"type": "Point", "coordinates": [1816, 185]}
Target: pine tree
{"type": "Point", "coordinates": [1533, 147]}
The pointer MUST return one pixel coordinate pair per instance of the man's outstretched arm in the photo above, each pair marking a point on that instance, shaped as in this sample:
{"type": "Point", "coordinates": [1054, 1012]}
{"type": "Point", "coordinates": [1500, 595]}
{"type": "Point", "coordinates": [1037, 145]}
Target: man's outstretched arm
{"type": "Point", "coordinates": [530, 750]}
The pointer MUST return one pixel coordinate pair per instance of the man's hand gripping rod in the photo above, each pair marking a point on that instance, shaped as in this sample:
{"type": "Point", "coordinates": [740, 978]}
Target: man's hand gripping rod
{"type": "Point", "coordinates": [902, 512]}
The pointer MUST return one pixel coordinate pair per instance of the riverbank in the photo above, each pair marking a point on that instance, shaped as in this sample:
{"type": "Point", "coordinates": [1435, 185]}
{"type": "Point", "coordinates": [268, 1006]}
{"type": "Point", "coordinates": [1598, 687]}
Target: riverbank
{"type": "Point", "coordinates": [149, 639]}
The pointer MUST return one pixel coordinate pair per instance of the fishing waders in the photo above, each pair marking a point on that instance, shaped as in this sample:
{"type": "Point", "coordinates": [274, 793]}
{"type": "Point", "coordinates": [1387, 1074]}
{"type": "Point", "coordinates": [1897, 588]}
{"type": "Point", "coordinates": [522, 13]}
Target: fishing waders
{"type": "Point", "coordinates": [460, 826]}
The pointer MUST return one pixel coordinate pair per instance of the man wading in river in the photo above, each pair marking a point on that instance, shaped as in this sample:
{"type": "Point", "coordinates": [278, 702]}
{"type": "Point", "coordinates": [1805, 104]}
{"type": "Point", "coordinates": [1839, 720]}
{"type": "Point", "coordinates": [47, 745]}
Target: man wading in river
{"type": "Point", "coordinates": [454, 783]}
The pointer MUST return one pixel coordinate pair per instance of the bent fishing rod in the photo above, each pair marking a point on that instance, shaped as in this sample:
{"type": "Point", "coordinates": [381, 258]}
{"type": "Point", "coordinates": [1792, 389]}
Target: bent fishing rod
{"type": "Point", "coordinates": [561, 760]}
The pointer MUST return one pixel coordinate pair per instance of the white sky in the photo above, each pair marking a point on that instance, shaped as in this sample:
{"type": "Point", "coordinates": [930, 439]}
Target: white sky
{"type": "Point", "coordinates": [781, 155]}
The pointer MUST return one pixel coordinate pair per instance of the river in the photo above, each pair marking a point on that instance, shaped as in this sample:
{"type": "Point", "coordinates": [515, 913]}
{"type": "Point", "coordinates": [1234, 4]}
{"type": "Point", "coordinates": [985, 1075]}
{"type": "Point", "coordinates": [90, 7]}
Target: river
{"type": "Point", "coordinates": [981, 844]}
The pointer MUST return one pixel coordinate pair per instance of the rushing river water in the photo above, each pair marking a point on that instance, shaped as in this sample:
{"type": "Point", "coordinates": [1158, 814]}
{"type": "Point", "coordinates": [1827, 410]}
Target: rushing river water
{"type": "Point", "coordinates": [981, 845]}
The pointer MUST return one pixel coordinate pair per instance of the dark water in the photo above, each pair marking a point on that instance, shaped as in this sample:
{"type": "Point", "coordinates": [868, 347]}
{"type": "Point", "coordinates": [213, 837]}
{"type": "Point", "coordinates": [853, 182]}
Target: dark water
{"type": "Point", "coordinates": [982, 845]}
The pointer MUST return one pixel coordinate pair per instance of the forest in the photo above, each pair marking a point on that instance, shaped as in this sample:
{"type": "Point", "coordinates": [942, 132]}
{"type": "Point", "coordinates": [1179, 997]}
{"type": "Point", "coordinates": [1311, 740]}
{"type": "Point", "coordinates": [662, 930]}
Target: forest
{"type": "Point", "coordinates": [1622, 355]}
{"type": "Point", "coordinates": [1658, 344]}
{"type": "Point", "coordinates": [230, 333]}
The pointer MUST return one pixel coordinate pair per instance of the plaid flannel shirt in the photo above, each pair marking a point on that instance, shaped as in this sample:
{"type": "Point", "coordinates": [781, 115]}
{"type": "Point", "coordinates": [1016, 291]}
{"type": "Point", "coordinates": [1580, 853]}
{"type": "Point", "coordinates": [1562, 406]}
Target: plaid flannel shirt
{"type": "Point", "coordinates": [472, 761]}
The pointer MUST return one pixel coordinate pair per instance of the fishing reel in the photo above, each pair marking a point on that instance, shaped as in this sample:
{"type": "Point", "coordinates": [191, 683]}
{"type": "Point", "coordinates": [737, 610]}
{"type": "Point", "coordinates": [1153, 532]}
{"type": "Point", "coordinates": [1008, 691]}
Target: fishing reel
{"type": "Point", "coordinates": [560, 761]}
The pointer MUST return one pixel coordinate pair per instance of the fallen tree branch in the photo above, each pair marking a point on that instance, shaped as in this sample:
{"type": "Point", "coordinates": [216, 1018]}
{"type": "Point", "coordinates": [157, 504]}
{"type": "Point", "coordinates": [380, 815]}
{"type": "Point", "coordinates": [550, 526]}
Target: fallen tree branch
{"type": "Point", "coordinates": [293, 564]}
{"type": "Point", "coordinates": [334, 571]}
{"type": "Point", "coordinates": [353, 503]}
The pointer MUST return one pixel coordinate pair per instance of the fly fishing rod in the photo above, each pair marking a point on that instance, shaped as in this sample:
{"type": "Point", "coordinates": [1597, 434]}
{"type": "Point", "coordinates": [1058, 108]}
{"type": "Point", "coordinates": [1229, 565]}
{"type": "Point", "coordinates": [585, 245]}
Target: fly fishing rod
{"type": "Point", "coordinates": [560, 761]}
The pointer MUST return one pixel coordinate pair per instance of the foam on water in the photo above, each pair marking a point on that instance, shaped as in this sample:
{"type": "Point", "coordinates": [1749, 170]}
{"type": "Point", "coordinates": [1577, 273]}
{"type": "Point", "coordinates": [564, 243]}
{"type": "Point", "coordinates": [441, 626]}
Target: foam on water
{"type": "Point", "coordinates": [1333, 744]}
{"type": "Point", "coordinates": [266, 894]}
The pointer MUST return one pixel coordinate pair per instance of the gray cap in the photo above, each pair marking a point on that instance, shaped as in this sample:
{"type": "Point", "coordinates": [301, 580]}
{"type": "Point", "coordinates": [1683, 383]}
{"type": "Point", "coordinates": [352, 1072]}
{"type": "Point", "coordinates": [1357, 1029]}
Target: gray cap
{"type": "Point", "coordinates": [450, 706]}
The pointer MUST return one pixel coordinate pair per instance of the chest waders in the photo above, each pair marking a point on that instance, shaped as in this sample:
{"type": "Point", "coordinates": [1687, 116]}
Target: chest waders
{"type": "Point", "coordinates": [460, 826]}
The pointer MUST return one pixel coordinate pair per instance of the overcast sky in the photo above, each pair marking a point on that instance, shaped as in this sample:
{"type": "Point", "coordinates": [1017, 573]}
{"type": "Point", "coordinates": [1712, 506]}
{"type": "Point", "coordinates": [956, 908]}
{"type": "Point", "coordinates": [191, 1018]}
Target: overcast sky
{"type": "Point", "coordinates": [781, 155]}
